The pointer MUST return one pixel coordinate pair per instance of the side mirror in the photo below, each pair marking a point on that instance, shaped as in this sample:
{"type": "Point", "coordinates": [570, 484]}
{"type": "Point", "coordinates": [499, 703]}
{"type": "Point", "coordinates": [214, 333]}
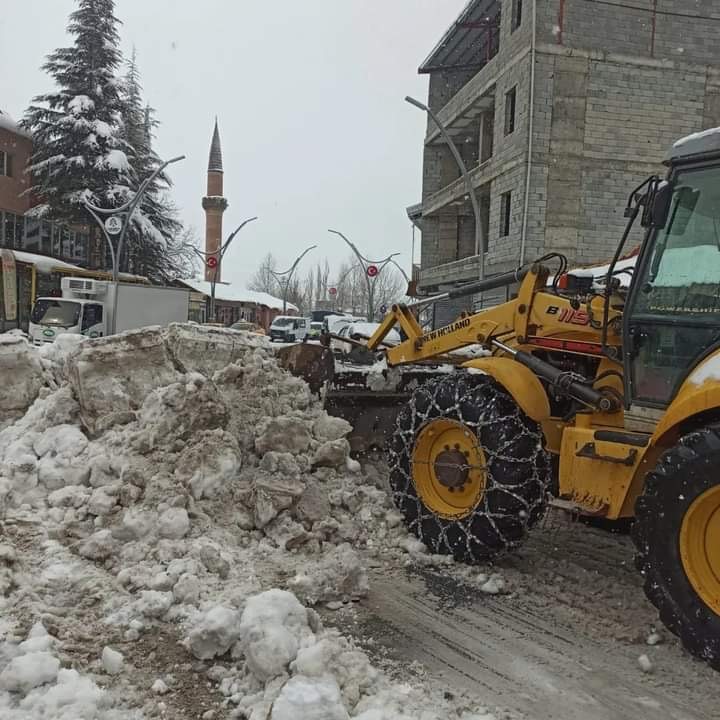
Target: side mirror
{"type": "Point", "coordinates": [656, 214]}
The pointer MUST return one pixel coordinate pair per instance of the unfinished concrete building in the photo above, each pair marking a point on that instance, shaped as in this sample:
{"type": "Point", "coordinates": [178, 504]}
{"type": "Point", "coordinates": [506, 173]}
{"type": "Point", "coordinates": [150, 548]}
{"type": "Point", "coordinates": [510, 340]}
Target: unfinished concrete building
{"type": "Point", "coordinates": [558, 108]}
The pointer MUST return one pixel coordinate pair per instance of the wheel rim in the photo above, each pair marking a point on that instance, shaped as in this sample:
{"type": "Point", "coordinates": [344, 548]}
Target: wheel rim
{"type": "Point", "coordinates": [700, 547]}
{"type": "Point", "coordinates": [448, 468]}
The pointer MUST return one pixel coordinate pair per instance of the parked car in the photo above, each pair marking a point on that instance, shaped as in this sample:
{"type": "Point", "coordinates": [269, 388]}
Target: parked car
{"type": "Point", "coordinates": [315, 330]}
{"type": "Point", "coordinates": [247, 326]}
{"type": "Point", "coordinates": [334, 323]}
{"type": "Point", "coordinates": [288, 328]}
{"type": "Point", "coordinates": [359, 331]}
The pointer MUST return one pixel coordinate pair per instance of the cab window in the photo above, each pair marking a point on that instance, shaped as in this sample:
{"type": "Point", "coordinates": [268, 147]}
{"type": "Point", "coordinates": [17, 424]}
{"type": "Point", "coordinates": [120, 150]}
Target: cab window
{"type": "Point", "coordinates": [92, 315]}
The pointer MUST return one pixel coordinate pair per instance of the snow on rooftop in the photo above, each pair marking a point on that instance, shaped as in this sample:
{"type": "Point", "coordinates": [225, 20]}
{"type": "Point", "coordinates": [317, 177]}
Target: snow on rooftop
{"type": "Point", "coordinates": [45, 265]}
{"type": "Point", "coordinates": [233, 293]}
{"type": "Point", "coordinates": [8, 123]}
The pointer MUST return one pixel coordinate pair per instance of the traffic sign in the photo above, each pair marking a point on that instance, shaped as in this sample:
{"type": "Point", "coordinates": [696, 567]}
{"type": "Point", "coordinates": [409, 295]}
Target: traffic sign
{"type": "Point", "coordinates": [383, 309]}
{"type": "Point", "coordinates": [211, 262]}
{"type": "Point", "coordinates": [332, 291]}
{"type": "Point", "coordinates": [114, 224]}
{"type": "Point", "coordinates": [372, 270]}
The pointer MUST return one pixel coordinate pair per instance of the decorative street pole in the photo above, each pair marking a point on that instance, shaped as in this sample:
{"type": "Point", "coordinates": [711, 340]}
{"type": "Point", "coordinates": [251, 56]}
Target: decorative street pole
{"type": "Point", "coordinates": [285, 285]}
{"type": "Point", "coordinates": [213, 260]}
{"type": "Point", "coordinates": [479, 239]}
{"type": "Point", "coordinates": [372, 270]}
{"type": "Point", "coordinates": [117, 221]}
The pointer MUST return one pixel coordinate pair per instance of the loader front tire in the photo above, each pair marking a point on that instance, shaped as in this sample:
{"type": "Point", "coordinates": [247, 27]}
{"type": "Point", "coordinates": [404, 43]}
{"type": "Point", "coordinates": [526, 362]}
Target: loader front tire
{"type": "Point", "coordinates": [677, 538]}
{"type": "Point", "coordinates": [476, 507]}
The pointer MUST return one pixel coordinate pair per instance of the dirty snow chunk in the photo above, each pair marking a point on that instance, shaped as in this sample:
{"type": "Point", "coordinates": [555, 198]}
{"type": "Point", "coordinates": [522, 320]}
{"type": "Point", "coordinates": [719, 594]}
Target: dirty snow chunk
{"type": "Point", "coordinates": [8, 553]}
{"type": "Point", "coordinates": [174, 523]}
{"type": "Point", "coordinates": [338, 575]}
{"type": "Point", "coordinates": [273, 627]}
{"type": "Point", "coordinates": [98, 546]}
{"type": "Point", "coordinates": [274, 494]}
{"type": "Point", "coordinates": [645, 664]}
{"type": "Point", "coordinates": [136, 524]}
{"type": "Point", "coordinates": [353, 466]}
{"type": "Point", "coordinates": [61, 440]}
{"type": "Point", "coordinates": [214, 560]}
{"type": "Point", "coordinates": [309, 699]}
{"type": "Point", "coordinates": [68, 496]}
{"type": "Point", "coordinates": [412, 545]}
{"type": "Point", "coordinates": [159, 687]}
{"type": "Point", "coordinates": [38, 640]}
{"type": "Point", "coordinates": [494, 585]}
{"type": "Point", "coordinates": [214, 472]}
{"type": "Point", "coordinates": [187, 589]}
{"type": "Point", "coordinates": [313, 504]}
{"type": "Point", "coordinates": [281, 463]}
{"type": "Point", "coordinates": [29, 671]}
{"type": "Point", "coordinates": [112, 661]}
{"type": "Point", "coordinates": [101, 503]}
{"type": "Point", "coordinates": [333, 453]}
{"type": "Point", "coordinates": [284, 434]}
{"type": "Point", "coordinates": [153, 603]}
{"type": "Point", "coordinates": [74, 697]}
{"type": "Point", "coordinates": [327, 427]}
{"type": "Point", "coordinates": [215, 634]}
{"type": "Point", "coordinates": [654, 638]}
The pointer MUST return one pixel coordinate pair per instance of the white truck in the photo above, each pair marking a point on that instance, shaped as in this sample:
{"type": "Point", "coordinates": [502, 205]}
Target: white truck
{"type": "Point", "coordinates": [87, 307]}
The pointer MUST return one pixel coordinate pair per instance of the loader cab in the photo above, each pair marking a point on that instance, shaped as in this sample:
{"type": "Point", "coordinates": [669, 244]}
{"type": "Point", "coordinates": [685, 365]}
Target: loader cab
{"type": "Point", "coordinates": [672, 315]}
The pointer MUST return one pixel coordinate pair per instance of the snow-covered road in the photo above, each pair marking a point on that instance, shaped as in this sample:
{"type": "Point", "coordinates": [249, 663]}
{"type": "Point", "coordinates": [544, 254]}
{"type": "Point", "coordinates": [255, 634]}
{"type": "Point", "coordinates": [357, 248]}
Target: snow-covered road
{"type": "Point", "coordinates": [562, 645]}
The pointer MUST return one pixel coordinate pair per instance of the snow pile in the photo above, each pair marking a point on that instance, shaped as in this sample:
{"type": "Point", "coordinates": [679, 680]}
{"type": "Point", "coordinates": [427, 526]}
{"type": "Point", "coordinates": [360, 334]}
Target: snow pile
{"type": "Point", "coordinates": [34, 685]}
{"type": "Point", "coordinates": [159, 480]}
{"type": "Point", "coordinates": [294, 668]}
{"type": "Point", "coordinates": [21, 374]}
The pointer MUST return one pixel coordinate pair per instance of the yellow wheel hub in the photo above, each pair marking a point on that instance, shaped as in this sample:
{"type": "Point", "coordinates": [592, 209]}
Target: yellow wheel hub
{"type": "Point", "coordinates": [448, 468]}
{"type": "Point", "coordinates": [700, 547]}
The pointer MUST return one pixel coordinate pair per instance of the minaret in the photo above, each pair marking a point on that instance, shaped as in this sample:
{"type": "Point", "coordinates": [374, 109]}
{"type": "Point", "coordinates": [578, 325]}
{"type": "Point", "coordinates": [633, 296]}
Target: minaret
{"type": "Point", "coordinates": [214, 204]}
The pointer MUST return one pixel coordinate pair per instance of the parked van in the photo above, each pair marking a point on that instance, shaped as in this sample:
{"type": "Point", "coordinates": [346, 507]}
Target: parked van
{"type": "Point", "coordinates": [288, 328]}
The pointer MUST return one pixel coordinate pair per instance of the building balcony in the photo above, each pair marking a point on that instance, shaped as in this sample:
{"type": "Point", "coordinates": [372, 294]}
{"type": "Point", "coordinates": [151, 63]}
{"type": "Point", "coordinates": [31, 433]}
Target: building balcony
{"type": "Point", "coordinates": [450, 273]}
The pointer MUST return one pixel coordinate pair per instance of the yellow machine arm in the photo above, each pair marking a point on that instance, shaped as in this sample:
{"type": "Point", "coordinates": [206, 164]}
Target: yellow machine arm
{"type": "Point", "coordinates": [535, 317]}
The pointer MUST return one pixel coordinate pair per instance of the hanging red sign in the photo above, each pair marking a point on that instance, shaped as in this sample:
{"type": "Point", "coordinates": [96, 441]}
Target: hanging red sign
{"type": "Point", "coordinates": [211, 262]}
{"type": "Point", "coordinates": [372, 270]}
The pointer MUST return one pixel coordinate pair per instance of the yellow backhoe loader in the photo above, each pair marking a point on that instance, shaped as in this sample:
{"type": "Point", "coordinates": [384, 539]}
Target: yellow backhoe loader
{"type": "Point", "coordinates": [604, 392]}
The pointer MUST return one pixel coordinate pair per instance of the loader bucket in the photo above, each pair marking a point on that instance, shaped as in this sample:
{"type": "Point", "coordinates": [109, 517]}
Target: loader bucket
{"type": "Point", "coordinates": [313, 363]}
{"type": "Point", "coordinates": [368, 400]}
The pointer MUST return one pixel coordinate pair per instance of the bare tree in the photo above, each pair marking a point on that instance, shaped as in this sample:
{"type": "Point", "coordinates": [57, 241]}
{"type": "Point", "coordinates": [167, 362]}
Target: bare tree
{"type": "Point", "coordinates": [180, 254]}
{"type": "Point", "coordinates": [263, 280]}
{"type": "Point", "coordinates": [352, 292]}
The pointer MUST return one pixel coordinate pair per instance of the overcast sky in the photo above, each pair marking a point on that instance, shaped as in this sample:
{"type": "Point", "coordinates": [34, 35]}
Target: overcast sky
{"type": "Point", "coordinates": [309, 98]}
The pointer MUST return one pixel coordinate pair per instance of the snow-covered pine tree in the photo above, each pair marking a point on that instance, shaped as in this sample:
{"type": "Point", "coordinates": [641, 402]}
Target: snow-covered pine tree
{"type": "Point", "coordinates": [156, 235]}
{"type": "Point", "coordinates": [78, 152]}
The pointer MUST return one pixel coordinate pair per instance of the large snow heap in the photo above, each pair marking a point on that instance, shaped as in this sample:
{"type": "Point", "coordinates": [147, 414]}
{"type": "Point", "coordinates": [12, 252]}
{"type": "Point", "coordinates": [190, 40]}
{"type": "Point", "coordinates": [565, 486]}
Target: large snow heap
{"type": "Point", "coordinates": [153, 482]}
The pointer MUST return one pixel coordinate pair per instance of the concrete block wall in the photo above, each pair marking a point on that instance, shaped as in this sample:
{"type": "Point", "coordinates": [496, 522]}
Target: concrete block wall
{"type": "Point", "coordinates": [684, 30]}
{"type": "Point", "coordinates": [612, 122]}
{"type": "Point", "coordinates": [440, 240]}
{"type": "Point", "coordinates": [616, 84]}
{"type": "Point", "coordinates": [504, 251]}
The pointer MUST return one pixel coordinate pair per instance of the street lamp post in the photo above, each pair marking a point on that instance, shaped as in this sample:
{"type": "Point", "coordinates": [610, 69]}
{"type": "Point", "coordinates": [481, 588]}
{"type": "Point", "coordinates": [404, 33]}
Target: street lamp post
{"type": "Point", "coordinates": [217, 257]}
{"type": "Point", "coordinates": [125, 213]}
{"type": "Point", "coordinates": [479, 239]}
{"type": "Point", "coordinates": [366, 264]}
{"type": "Point", "coordinates": [285, 285]}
